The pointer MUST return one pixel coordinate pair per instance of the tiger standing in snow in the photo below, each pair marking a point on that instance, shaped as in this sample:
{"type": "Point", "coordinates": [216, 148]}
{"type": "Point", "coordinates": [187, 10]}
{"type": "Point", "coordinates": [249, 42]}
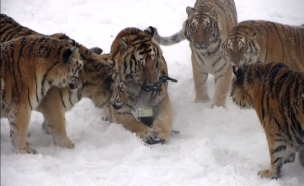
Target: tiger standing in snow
{"type": "Point", "coordinates": [276, 92]}
{"type": "Point", "coordinates": [96, 78]}
{"type": "Point", "coordinates": [30, 66]}
{"type": "Point", "coordinates": [206, 27]}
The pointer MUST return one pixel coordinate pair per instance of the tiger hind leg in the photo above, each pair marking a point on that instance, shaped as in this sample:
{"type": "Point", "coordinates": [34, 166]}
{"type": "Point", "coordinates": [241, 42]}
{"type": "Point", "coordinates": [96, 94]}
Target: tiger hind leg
{"type": "Point", "coordinates": [19, 120]}
{"type": "Point", "coordinates": [277, 150]}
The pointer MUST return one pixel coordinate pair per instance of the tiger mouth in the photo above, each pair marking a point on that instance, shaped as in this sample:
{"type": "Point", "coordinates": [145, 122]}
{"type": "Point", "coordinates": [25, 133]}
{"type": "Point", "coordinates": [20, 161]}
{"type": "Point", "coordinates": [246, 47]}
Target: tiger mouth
{"type": "Point", "coordinates": [72, 86]}
{"type": "Point", "coordinates": [75, 83]}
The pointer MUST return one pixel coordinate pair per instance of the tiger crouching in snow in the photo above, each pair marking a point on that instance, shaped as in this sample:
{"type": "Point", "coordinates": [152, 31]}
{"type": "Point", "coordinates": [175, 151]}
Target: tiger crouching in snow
{"type": "Point", "coordinates": [253, 41]}
{"type": "Point", "coordinates": [277, 94]}
{"type": "Point", "coordinates": [140, 97]}
{"type": "Point", "coordinates": [96, 77]}
{"type": "Point", "coordinates": [30, 66]}
{"type": "Point", "coordinates": [206, 27]}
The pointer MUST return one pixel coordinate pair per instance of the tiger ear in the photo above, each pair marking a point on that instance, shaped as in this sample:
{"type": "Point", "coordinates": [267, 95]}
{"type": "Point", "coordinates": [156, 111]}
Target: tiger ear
{"type": "Point", "coordinates": [96, 50]}
{"type": "Point", "coordinates": [214, 11]}
{"type": "Point", "coordinates": [67, 54]}
{"type": "Point", "coordinates": [150, 30]}
{"type": "Point", "coordinates": [123, 43]}
{"type": "Point", "coordinates": [190, 11]}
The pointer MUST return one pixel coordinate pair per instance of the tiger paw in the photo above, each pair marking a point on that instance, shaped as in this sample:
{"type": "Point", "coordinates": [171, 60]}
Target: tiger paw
{"type": "Point", "coordinates": [268, 174]}
{"type": "Point", "coordinates": [149, 134]}
{"type": "Point", "coordinates": [26, 150]}
{"type": "Point", "coordinates": [217, 105]}
{"type": "Point", "coordinates": [162, 132]}
{"type": "Point", "coordinates": [64, 143]}
{"type": "Point", "coordinates": [202, 99]}
{"type": "Point", "coordinates": [45, 128]}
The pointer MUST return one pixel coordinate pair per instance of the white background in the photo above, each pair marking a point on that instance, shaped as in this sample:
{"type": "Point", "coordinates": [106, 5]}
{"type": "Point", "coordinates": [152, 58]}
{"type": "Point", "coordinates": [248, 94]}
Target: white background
{"type": "Point", "coordinates": [216, 147]}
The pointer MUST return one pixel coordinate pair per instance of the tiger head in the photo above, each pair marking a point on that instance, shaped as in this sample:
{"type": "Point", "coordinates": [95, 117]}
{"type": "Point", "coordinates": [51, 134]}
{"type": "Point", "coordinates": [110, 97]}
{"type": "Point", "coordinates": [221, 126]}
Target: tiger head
{"type": "Point", "coordinates": [245, 83]}
{"type": "Point", "coordinates": [119, 95]}
{"type": "Point", "coordinates": [137, 57]}
{"type": "Point", "coordinates": [98, 77]}
{"type": "Point", "coordinates": [239, 92]}
{"type": "Point", "coordinates": [96, 74]}
{"type": "Point", "coordinates": [72, 63]}
{"type": "Point", "coordinates": [138, 61]}
{"type": "Point", "coordinates": [202, 27]}
{"type": "Point", "coordinates": [241, 47]}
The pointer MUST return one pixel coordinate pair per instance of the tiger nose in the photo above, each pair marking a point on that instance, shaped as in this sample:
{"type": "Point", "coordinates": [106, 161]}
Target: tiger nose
{"type": "Point", "coordinates": [72, 86]}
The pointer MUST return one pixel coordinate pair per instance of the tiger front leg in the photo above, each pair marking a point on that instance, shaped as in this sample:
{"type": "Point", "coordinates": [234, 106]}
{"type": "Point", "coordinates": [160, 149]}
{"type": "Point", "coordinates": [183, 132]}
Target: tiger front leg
{"type": "Point", "coordinates": [277, 151]}
{"type": "Point", "coordinates": [54, 118]}
{"type": "Point", "coordinates": [130, 123]}
{"type": "Point", "coordinates": [19, 119]}
{"type": "Point", "coordinates": [163, 122]}
{"type": "Point", "coordinates": [54, 124]}
{"type": "Point", "coordinates": [200, 83]}
{"type": "Point", "coordinates": [222, 85]}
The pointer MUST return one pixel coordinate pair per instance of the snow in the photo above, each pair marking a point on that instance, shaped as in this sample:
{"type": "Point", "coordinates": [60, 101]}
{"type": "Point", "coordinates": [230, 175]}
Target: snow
{"type": "Point", "coordinates": [216, 147]}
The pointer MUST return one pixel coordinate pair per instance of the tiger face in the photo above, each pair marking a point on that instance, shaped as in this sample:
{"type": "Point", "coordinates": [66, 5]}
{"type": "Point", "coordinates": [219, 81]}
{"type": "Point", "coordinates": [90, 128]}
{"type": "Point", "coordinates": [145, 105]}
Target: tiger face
{"type": "Point", "coordinates": [241, 94]}
{"type": "Point", "coordinates": [141, 61]}
{"type": "Point", "coordinates": [202, 27]}
{"type": "Point", "coordinates": [241, 48]}
{"type": "Point", "coordinates": [119, 96]}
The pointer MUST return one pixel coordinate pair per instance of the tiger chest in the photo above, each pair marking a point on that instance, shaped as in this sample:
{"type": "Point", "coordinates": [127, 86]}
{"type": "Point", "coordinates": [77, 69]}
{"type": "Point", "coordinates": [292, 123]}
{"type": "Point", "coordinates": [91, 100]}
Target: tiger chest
{"type": "Point", "coordinates": [207, 63]}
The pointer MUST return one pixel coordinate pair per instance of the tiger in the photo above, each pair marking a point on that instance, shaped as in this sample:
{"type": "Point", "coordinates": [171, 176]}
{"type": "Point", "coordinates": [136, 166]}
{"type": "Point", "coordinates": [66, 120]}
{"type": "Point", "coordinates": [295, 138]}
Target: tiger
{"type": "Point", "coordinates": [31, 65]}
{"type": "Point", "coordinates": [206, 27]}
{"type": "Point", "coordinates": [259, 40]}
{"type": "Point", "coordinates": [96, 77]}
{"type": "Point", "coordinates": [276, 92]}
{"type": "Point", "coordinates": [140, 65]}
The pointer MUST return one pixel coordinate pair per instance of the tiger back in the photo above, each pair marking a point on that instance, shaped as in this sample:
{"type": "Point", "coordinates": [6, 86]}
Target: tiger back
{"type": "Point", "coordinates": [95, 76]}
{"type": "Point", "coordinates": [139, 63]}
{"type": "Point", "coordinates": [276, 92]}
{"type": "Point", "coordinates": [206, 27]}
{"type": "Point", "coordinates": [253, 41]}
{"type": "Point", "coordinates": [31, 65]}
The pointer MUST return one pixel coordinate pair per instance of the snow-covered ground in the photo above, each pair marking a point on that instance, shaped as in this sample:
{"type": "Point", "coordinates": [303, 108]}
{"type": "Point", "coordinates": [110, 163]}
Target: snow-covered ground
{"type": "Point", "coordinates": [216, 147]}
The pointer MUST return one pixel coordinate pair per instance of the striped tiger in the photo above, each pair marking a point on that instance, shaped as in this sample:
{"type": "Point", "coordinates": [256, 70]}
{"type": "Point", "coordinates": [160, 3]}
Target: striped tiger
{"type": "Point", "coordinates": [31, 65]}
{"type": "Point", "coordinates": [96, 77]}
{"type": "Point", "coordinates": [276, 92]}
{"type": "Point", "coordinates": [206, 28]}
{"type": "Point", "coordinates": [252, 41]}
{"type": "Point", "coordinates": [139, 63]}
